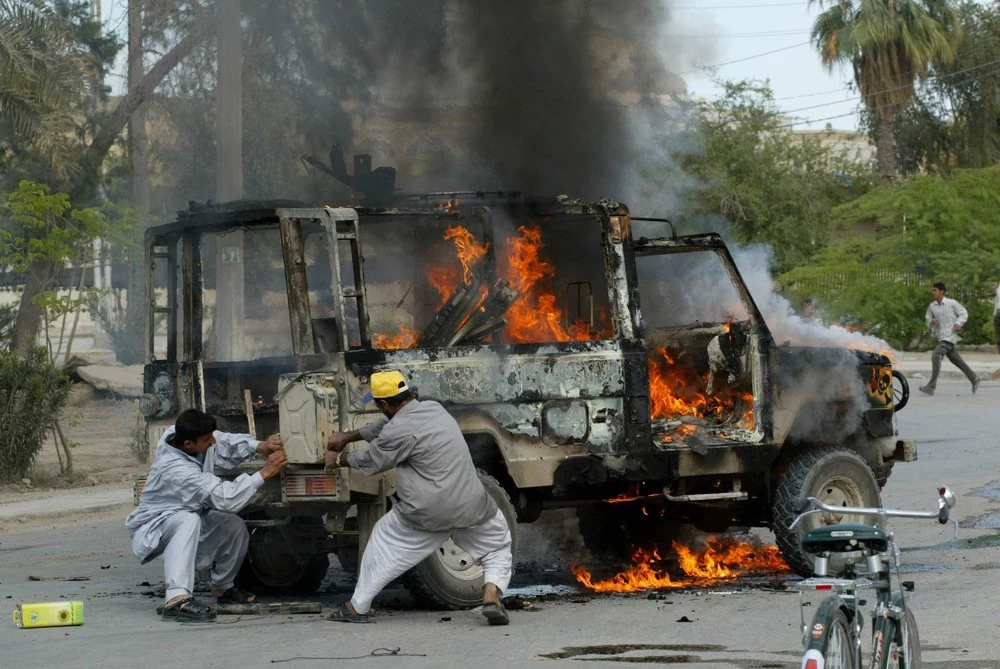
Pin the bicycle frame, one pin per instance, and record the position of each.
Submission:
(846, 584)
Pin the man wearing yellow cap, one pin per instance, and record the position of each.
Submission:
(440, 496)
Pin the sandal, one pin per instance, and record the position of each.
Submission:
(344, 615)
(189, 610)
(235, 595)
(496, 614)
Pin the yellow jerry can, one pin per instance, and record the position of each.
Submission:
(48, 614)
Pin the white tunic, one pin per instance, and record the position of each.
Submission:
(181, 482)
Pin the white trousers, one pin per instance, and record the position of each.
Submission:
(396, 546)
(213, 540)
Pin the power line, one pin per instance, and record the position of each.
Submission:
(740, 60)
(812, 95)
(896, 88)
(758, 6)
(858, 111)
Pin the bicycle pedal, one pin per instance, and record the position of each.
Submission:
(909, 586)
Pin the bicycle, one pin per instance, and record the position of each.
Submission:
(864, 556)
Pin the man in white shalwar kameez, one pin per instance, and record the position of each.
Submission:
(188, 514)
(439, 496)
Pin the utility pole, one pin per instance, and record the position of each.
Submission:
(138, 146)
(230, 261)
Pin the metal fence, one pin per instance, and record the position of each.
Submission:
(835, 282)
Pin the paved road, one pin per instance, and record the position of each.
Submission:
(735, 626)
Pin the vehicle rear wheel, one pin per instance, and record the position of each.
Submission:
(449, 578)
(613, 531)
(273, 565)
(836, 476)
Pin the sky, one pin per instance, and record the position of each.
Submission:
(718, 32)
(744, 31)
(707, 32)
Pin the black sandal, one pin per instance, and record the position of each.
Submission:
(344, 615)
(496, 614)
(189, 610)
(235, 595)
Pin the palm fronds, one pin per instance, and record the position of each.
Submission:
(41, 77)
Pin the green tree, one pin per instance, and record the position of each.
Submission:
(954, 118)
(43, 78)
(41, 235)
(889, 44)
(924, 229)
(772, 187)
(97, 128)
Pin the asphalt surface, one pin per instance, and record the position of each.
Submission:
(745, 624)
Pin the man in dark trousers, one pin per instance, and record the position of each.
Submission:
(188, 514)
(439, 496)
(945, 317)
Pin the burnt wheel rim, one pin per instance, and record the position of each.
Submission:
(457, 562)
(840, 491)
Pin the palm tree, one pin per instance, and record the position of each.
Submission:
(889, 44)
(42, 77)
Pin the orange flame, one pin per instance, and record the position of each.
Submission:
(467, 248)
(407, 338)
(673, 393)
(534, 317)
(450, 207)
(721, 560)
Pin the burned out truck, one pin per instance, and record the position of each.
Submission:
(593, 360)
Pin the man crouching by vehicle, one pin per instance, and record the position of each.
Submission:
(439, 495)
(187, 513)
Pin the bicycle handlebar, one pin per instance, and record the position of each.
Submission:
(946, 500)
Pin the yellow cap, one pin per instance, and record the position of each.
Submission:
(386, 384)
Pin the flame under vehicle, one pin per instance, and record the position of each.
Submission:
(592, 359)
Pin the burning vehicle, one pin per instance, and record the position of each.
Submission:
(565, 337)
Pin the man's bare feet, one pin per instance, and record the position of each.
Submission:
(493, 608)
(491, 594)
(175, 600)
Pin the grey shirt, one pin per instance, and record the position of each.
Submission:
(436, 481)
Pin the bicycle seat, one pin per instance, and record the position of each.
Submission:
(845, 538)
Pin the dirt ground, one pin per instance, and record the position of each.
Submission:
(101, 431)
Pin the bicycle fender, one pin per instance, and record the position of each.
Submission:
(821, 621)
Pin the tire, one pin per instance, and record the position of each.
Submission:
(830, 637)
(882, 473)
(273, 566)
(834, 475)
(885, 646)
(896, 643)
(900, 394)
(449, 579)
(612, 532)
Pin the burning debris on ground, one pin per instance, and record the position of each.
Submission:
(721, 559)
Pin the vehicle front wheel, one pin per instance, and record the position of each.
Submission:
(449, 578)
(834, 475)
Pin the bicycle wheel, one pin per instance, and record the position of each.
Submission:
(896, 643)
(885, 644)
(830, 642)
